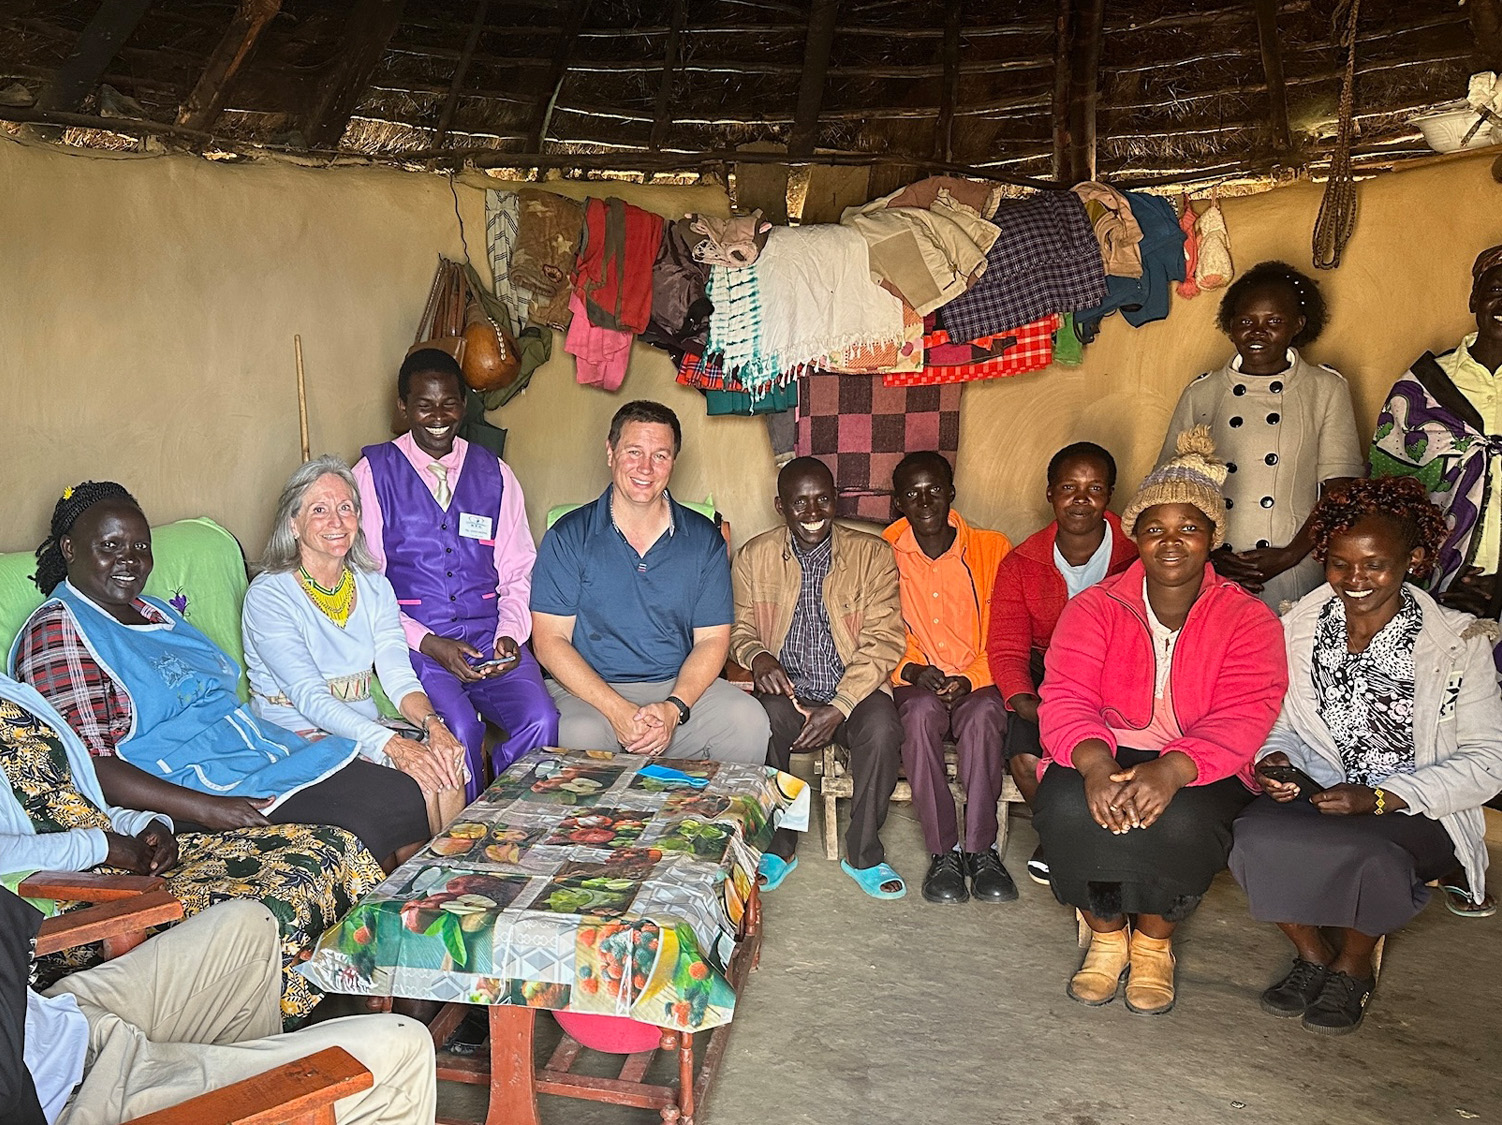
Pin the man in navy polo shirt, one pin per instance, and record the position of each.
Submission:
(631, 612)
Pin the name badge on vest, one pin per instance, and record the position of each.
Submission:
(476, 527)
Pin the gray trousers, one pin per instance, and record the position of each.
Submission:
(199, 1007)
(727, 724)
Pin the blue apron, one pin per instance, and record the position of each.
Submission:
(187, 724)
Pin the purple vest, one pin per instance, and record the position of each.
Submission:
(442, 578)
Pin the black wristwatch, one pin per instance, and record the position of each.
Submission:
(683, 710)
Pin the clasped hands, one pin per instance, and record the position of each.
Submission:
(1252, 569)
(151, 851)
(819, 719)
(435, 765)
(646, 729)
(1121, 799)
(949, 689)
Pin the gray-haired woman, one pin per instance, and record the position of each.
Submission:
(320, 618)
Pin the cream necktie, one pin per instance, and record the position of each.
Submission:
(443, 495)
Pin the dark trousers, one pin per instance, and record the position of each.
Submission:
(18, 1097)
(873, 735)
(976, 722)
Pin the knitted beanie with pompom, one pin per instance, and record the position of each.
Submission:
(1194, 476)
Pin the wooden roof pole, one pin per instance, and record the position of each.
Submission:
(369, 28)
(1063, 83)
(205, 103)
(98, 43)
(1486, 25)
(1272, 67)
(805, 132)
(660, 119)
(1086, 93)
(944, 129)
(571, 25)
(461, 68)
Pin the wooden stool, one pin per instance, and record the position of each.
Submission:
(835, 782)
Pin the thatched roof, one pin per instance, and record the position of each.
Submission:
(1182, 87)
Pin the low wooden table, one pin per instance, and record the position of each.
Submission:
(514, 1082)
(603, 884)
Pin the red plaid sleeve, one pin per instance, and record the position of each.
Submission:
(53, 659)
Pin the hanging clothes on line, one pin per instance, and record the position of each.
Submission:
(547, 242)
(1046, 259)
(613, 271)
(1116, 228)
(808, 298)
(1017, 352)
(981, 195)
(927, 255)
(680, 304)
(1142, 299)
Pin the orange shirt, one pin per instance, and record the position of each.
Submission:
(946, 602)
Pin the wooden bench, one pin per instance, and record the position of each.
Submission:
(835, 782)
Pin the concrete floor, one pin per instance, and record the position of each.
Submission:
(874, 1012)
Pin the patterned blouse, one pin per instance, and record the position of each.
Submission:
(1366, 698)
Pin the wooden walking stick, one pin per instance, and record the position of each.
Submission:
(302, 401)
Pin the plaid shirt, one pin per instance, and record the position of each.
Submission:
(1046, 260)
(808, 653)
(54, 659)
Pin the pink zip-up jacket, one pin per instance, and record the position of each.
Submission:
(1228, 677)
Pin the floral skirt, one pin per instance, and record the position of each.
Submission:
(308, 876)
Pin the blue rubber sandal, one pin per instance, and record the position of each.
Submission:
(772, 870)
(870, 879)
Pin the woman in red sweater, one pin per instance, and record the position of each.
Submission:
(1082, 546)
(1161, 684)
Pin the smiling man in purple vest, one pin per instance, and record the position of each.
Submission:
(447, 523)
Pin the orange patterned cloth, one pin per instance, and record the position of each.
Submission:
(1031, 349)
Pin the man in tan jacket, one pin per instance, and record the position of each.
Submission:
(818, 622)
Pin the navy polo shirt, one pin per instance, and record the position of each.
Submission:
(634, 615)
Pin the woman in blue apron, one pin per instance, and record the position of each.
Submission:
(154, 701)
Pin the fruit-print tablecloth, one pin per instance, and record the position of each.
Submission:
(579, 881)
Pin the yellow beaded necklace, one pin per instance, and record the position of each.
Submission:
(335, 604)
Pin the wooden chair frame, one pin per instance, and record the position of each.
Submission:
(122, 910)
(835, 782)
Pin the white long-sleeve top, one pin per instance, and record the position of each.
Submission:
(292, 652)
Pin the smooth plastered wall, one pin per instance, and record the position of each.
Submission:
(148, 305)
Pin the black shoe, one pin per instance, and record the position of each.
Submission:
(1292, 995)
(945, 881)
(989, 880)
(1037, 866)
(1340, 1006)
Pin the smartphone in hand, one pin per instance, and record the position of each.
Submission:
(498, 664)
(1287, 775)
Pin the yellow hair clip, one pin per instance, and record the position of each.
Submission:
(68, 493)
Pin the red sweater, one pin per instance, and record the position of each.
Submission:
(1026, 602)
(1227, 681)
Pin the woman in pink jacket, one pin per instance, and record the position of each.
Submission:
(1161, 684)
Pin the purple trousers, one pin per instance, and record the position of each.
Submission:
(976, 723)
(516, 701)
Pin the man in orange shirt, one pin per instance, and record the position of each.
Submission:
(943, 682)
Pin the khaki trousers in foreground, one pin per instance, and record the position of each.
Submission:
(198, 1007)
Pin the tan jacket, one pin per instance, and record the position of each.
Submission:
(860, 596)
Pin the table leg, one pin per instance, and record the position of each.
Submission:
(686, 1077)
(513, 1093)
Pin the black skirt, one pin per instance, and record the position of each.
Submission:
(1164, 869)
(1367, 873)
(382, 806)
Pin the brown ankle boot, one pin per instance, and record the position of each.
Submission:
(1149, 989)
(1105, 963)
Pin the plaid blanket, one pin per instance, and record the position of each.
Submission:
(861, 429)
(1029, 348)
(1046, 260)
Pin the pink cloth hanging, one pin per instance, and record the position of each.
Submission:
(601, 355)
(1188, 287)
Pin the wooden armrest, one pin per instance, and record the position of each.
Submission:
(84, 886)
(301, 1091)
(120, 923)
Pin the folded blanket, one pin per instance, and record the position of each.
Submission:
(1023, 349)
